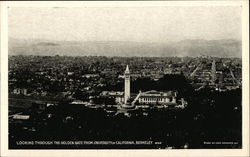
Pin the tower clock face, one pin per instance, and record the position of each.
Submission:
(126, 76)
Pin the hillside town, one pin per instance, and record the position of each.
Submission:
(97, 97)
(69, 77)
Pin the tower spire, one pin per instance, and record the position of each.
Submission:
(127, 69)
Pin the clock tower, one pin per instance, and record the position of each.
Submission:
(126, 85)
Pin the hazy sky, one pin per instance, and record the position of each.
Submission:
(146, 24)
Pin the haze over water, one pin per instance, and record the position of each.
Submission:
(126, 31)
(140, 24)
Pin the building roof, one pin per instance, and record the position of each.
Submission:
(154, 93)
(127, 69)
(154, 96)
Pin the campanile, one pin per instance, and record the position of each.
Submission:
(126, 85)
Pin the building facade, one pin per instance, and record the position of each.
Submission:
(155, 97)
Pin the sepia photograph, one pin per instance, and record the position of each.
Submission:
(123, 77)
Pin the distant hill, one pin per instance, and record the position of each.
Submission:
(192, 48)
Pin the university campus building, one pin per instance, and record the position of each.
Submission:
(144, 98)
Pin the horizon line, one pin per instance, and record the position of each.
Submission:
(57, 55)
(82, 40)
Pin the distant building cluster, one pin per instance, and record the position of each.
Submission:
(58, 77)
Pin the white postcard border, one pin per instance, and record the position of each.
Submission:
(189, 152)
